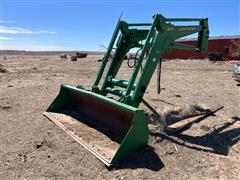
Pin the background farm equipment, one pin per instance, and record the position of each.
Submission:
(81, 55)
(63, 56)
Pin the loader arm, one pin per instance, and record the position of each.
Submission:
(159, 38)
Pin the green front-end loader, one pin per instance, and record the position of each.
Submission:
(106, 120)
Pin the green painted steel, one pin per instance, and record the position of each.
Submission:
(136, 138)
(153, 40)
(159, 37)
(63, 100)
(133, 139)
(120, 83)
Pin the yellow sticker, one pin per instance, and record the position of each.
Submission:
(170, 28)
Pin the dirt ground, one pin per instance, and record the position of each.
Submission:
(32, 147)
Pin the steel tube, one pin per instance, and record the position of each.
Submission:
(105, 59)
(182, 19)
(140, 24)
(139, 62)
(116, 92)
(121, 83)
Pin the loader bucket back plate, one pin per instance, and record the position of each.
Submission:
(107, 128)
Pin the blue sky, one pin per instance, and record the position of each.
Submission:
(85, 25)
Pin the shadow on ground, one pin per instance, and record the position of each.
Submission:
(218, 141)
(145, 158)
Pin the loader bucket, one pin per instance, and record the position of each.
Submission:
(107, 128)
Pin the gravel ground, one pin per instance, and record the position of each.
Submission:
(32, 147)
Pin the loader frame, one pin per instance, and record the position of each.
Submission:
(159, 39)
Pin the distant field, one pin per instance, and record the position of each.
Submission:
(15, 52)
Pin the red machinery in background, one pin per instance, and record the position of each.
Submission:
(219, 48)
